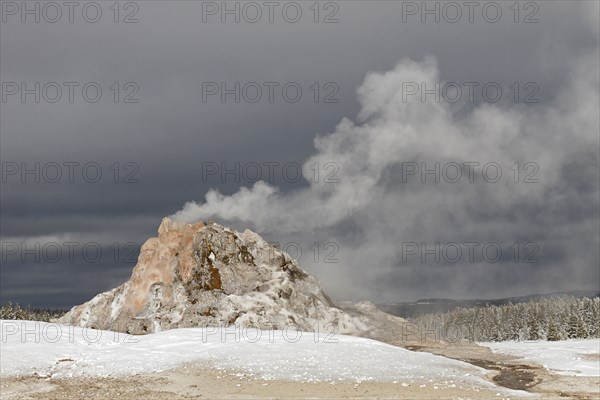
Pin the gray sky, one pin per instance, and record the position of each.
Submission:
(377, 226)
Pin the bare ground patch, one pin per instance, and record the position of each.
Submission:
(195, 382)
(590, 357)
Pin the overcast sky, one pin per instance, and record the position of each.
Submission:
(358, 97)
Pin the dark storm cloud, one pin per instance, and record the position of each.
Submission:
(170, 135)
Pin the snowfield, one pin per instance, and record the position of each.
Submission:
(30, 348)
(60, 351)
(576, 357)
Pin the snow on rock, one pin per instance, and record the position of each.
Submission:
(204, 274)
(60, 351)
(578, 357)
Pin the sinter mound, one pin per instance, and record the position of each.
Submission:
(204, 274)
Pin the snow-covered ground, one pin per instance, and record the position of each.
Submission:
(53, 350)
(59, 351)
(567, 357)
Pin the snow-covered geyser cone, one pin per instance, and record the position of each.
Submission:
(204, 274)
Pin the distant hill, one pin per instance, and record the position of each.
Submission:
(427, 306)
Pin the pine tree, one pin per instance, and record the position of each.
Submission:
(573, 327)
(534, 329)
(553, 333)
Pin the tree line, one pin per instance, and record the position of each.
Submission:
(554, 318)
(15, 311)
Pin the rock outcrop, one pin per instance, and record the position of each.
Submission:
(204, 274)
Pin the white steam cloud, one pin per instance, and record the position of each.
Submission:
(374, 208)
